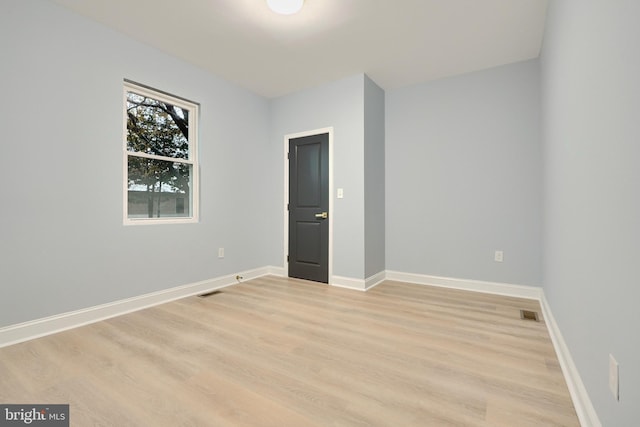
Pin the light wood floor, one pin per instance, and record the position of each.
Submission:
(284, 352)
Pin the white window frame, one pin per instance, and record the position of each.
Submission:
(194, 112)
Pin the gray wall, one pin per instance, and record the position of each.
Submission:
(591, 110)
(374, 177)
(463, 176)
(338, 104)
(63, 246)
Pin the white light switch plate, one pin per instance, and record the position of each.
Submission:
(614, 377)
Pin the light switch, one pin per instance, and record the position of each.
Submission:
(614, 377)
(340, 193)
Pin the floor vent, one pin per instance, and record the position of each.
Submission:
(529, 315)
(208, 294)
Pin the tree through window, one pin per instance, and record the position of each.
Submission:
(160, 157)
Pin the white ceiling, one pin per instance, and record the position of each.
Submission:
(395, 42)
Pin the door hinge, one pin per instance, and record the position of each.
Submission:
(287, 258)
(287, 206)
(287, 156)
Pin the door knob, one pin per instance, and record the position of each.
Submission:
(322, 215)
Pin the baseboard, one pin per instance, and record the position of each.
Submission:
(46, 326)
(358, 284)
(506, 289)
(375, 280)
(581, 401)
(348, 283)
(276, 271)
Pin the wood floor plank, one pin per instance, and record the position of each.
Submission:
(285, 352)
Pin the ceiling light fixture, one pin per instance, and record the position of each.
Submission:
(285, 7)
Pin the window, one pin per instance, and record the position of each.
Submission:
(160, 162)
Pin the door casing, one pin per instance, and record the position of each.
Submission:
(328, 130)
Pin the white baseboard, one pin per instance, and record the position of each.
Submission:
(49, 325)
(581, 401)
(520, 291)
(358, 284)
(349, 283)
(375, 280)
(277, 271)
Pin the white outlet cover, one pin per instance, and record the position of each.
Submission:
(499, 256)
(614, 373)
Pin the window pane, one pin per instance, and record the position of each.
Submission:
(158, 188)
(157, 127)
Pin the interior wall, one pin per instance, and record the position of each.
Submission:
(591, 103)
(339, 105)
(463, 176)
(374, 178)
(63, 243)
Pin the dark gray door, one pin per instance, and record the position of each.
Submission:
(309, 207)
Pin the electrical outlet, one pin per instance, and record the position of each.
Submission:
(220, 252)
(614, 378)
(498, 256)
(340, 193)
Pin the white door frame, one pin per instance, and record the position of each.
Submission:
(287, 137)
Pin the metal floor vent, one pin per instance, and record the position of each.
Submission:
(208, 294)
(529, 315)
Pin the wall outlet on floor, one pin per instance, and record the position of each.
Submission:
(220, 252)
(614, 377)
(498, 256)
